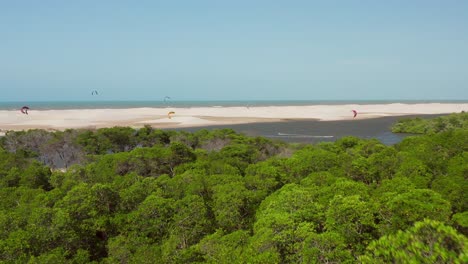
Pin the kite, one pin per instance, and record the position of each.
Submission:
(169, 114)
(24, 110)
(166, 98)
(355, 113)
(95, 92)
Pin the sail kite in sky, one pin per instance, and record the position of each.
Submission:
(94, 92)
(169, 115)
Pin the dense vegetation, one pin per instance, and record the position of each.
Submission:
(119, 195)
(434, 125)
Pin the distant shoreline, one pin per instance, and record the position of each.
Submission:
(211, 116)
(105, 104)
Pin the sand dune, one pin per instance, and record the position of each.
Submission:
(205, 116)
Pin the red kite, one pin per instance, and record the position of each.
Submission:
(24, 110)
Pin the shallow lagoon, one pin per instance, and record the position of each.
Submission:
(313, 131)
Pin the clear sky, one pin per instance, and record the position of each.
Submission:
(234, 50)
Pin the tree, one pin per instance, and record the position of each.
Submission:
(403, 210)
(220, 247)
(36, 176)
(453, 186)
(148, 136)
(309, 160)
(415, 170)
(153, 218)
(383, 164)
(262, 179)
(61, 150)
(394, 186)
(285, 220)
(435, 125)
(190, 222)
(132, 248)
(135, 190)
(343, 187)
(428, 241)
(231, 206)
(239, 155)
(82, 219)
(179, 154)
(353, 219)
(461, 222)
(190, 225)
(28, 143)
(328, 247)
(92, 143)
(120, 138)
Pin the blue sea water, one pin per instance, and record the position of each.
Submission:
(45, 105)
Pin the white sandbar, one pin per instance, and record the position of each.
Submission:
(206, 116)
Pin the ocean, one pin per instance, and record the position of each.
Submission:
(48, 105)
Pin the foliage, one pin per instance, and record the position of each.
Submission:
(428, 241)
(121, 195)
(436, 125)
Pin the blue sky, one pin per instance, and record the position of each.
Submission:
(234, 50)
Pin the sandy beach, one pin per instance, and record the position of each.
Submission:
(210, 116)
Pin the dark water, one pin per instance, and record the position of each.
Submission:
(322, 131)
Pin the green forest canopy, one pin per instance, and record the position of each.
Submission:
(119, 195)
(433, 125)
